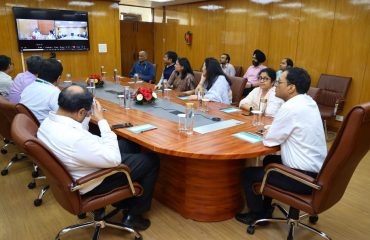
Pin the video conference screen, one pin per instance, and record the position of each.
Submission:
(51, 30)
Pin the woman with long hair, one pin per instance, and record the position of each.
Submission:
(216, 83)
(182, 79)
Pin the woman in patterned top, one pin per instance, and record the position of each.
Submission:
(182, 79)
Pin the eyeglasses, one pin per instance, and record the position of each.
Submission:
(263, 79)
(278, 82)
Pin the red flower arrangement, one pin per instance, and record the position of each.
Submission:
(145, 95)
(97, 80)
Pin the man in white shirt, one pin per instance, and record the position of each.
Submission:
(226, 66)
(298, 129)
(41, 96)
(6, 68)
(83, 153)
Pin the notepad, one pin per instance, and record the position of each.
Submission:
(248, 137)
(184, 98)
(217, 126)
(230, 110)
(141, 128)
(134, 82)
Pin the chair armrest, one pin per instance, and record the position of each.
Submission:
(101, 174)
(339, 105)
(289, 172)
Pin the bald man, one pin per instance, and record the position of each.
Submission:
(83, 153)
(143, 68)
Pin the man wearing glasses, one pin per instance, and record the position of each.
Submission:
(297, 128)
(6, 68)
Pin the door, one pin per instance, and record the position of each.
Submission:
(135, 36)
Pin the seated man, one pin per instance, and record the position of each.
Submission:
(284, 65)
(22, 80)
(251, 74)
(226, 66)
(41, 96)
(169, 60)
(6, 68)
(298, 129)
(83, 153)
(143, 68)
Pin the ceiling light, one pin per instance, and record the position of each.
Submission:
(81, 3)
(265, 1)
(161, 0)
(211, 7)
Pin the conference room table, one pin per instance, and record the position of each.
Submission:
(200, 173)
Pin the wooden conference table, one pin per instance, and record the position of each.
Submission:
(199, 174)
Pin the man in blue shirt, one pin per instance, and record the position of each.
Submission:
(169, 60)
(143, 68)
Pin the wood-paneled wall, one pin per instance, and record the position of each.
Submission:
(103, 28)
(327, 36)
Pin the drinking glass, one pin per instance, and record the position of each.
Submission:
(257, 118)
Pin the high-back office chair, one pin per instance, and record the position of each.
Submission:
(7, 114)
(314, 92)
(35, 173)
(65, 189)
(333, 90)
(197, 77)
(350, 146)
(237, 88)
(238, 71)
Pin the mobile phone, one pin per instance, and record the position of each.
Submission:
(247, 114)
(175, 112)
(260, 132)
(123, 125)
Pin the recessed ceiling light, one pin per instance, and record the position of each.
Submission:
(265, 1)
(211, 7)
(81, 3)
(161, 0)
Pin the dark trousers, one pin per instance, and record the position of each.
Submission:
(144, 170)
(261, 206)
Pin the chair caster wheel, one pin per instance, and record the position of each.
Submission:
(251, 229)
(139, 238)
(313, 219)
(35, 174)
(4, 172)
(31, 185)
(4, 151)
(81, 216)
(37, 202)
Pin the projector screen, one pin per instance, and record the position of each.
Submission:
(51, 30)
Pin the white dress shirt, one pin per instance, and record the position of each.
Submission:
(5, 83)
(80, 151)
(40, 97)
(228, 69)
(254, 97)
(220, 91)
(298, 129)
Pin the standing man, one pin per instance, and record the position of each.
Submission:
(6, 68)
(169, 60)
(252, 72)
(41, 96)
(226, 66)
(298, 129)
(22, 80)
(143, 68)
(83, 153)
(284, 65)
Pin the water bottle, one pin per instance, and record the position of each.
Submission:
(91, 86)
(136, 77)
(115, 77)
(189, 118)
(164, 86)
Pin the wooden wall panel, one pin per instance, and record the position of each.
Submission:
(104, 28)
(329, 36)
(316, 25)
(284, 31)
(350, 46)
